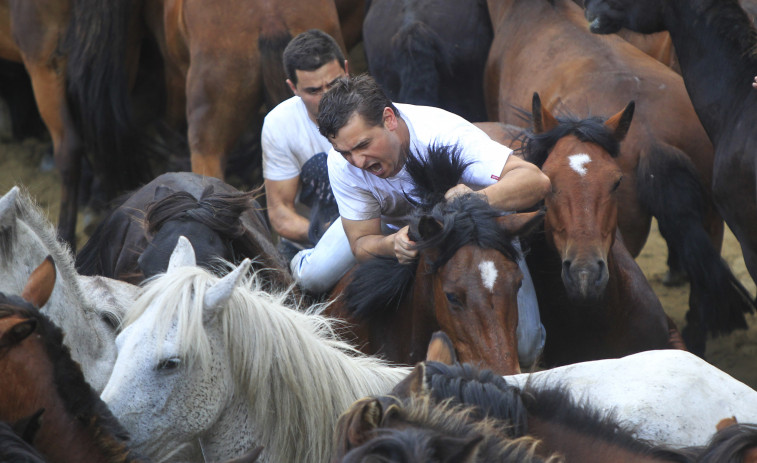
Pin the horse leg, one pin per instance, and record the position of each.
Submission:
(49, 92)
(675, 340)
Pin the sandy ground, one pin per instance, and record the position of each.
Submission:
(20, 165)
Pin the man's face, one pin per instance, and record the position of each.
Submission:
(375, 149)
(311, 85)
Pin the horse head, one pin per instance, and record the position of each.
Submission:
(582, 208)
(469, 274)
(171, 346)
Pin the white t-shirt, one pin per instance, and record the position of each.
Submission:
(361, 195)
(289, 139)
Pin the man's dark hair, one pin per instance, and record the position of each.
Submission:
(361, 94)
(309, 51)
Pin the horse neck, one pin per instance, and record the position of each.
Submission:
(297, 391)
(576, 444)
(716, 69)
(420, 312)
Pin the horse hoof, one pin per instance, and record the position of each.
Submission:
(675, 278)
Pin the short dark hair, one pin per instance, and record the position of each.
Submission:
(310, 50)
(361, 94)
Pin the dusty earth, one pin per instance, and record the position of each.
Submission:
(736, 354)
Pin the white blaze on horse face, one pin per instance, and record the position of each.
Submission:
(578, 163)
(488, 274)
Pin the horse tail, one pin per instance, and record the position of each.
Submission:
(420, 59)
(271, 48)
(97, 90)
(671, 190)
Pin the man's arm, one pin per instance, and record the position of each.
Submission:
(284, 218)
(520, 185)
(367, 241)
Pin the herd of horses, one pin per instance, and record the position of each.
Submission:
(186, 338)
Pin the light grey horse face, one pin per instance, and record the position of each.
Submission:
(162, 399)
(26, 239)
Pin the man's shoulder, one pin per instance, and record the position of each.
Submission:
(286, 110)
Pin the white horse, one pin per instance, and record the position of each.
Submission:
(224, 362)
(88, 309)
(669, 397)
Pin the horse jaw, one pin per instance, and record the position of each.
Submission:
(183, 255)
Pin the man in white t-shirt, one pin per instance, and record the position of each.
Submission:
(294, 152)
(372, 138)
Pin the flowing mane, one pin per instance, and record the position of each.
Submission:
(731, 23)
(466, 219)
(81, 403)
(275, 352)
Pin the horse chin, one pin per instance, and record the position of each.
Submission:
(584, 291)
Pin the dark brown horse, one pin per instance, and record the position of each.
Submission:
(430, 52)
(715, 42)
(546, 424)
(135, 240)
(666, 158)
(395, 308)
(16, 440)
(594, 300)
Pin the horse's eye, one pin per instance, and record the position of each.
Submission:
(452, 299)
(168, 364)
(616, 185)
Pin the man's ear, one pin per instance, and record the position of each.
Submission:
(390, 119)
(292, 87)
(346, 68)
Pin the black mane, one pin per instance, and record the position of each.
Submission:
(537, 146)
(493, 397)
(731, 22)
(466, 219)
(80, 400)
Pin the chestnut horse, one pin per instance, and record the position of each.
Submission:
(394, 308)
(715, 42)
(594, 300)
(666, 159)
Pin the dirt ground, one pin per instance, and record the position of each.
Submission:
(736, 354)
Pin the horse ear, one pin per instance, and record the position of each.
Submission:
(441, 349)
(218, 295)
(621, 122)
(457, 449)
(17, 333)
(355, 425)
(162, 191)
(183, 255)
(428, 227)
(27, 427)
(522, 223)
(412, 384)
(40, 284)
(8, 207)
(726, 422)
(543, 120)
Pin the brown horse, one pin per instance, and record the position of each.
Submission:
(594, 300)
(395, 308)
(545, 424)
(36, 33)
(715, 42)
(666, 159)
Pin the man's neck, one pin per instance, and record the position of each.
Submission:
(404, 135)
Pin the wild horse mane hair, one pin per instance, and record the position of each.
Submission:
(537, 146)
(731, 22)
(80, 401)
(493, 397)
(429, 419)
(16, 447)
(467, 219)
(730, 444)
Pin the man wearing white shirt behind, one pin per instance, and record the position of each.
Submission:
(294, 152)
(372, 137)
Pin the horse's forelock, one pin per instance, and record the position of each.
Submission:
(537, 146)
(440, 170)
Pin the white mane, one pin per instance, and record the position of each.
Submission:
(298, 376)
